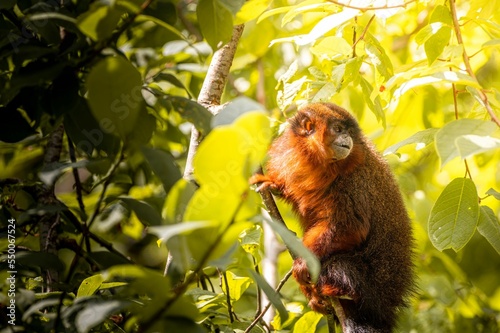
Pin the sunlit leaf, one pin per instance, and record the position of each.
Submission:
(470, 144)
(90, 285)
(446, 137)
(489, 227)
(493, 193)
(421, 139)
(455, 214)
(331, 48)
(378, 57)
(237, 285)
(307, 323)
(251, 10)
(100, 21)
(165, 232)
(327, 24)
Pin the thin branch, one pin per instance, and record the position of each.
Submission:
(228, 296)
(210, 97)
(403, 5)
(468, 67)
(278, 288)
(275, 214)
(211, 91)
(363, 34)
(78, 183)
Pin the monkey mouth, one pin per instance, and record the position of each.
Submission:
(340, 151)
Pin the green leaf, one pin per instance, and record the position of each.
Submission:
(436, 43)
(374, 105)
(271, 294)
(193, 112)
(166, 232)
(163, 165)
(85, 132)
(327, 24)
(422, 139)
(250, 241)
(331, 48)
(307, 323)
(216, 22)
(325, 93)
(41, 260)
(251, 10)
(146, 18)
(489, 227)
(144, 211)
(90, 285)
(455, 214)
(470, 145)
(234, 109)
(493, 193)
(114, 95)
(352, 68)
(100, 21)
(446, 137)
(378, 57)
(297, 247)
(237, 285)
(177, 201)
(96, 312)
(441, 14)
(437, 77)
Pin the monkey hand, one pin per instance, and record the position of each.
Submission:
(263, 183)
(300, 272)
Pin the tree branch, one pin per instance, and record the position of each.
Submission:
(371, 8)
(273, 210)
(468, 67)
(210, 97)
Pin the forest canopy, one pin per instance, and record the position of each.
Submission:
(130, 128)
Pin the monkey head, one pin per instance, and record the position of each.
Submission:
(326, 132)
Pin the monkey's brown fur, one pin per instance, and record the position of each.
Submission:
(352, 214)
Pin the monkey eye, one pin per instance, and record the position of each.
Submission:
(338, 128)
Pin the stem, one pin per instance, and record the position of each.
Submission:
(363, 34)
(228, 297)
(371, 8)
(468, 68)
(278, 288)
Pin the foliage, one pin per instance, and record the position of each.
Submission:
(121, 77)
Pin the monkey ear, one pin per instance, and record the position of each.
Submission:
(301, 124)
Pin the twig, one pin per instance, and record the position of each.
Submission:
(78, 183)
(371, 8)
(263, 312)
(228, 296)
(468, 68)
(363, 34)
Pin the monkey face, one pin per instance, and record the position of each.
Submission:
(326, 131)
